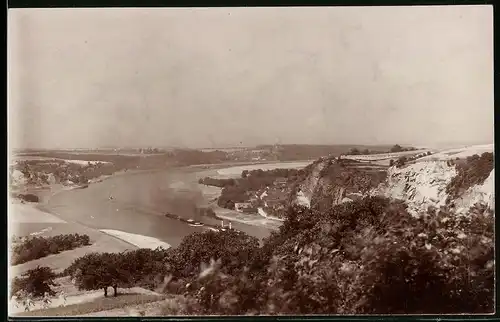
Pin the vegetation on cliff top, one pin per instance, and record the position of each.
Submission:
(472, 171)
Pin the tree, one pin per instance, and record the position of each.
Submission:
(354, 151)
(401, 161)
(100, 271)
(231, 247)
(396, 148)
(36, 282)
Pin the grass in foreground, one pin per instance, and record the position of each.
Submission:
(101, 304)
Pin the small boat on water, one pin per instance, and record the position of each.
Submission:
(190, 220)
(196, 224)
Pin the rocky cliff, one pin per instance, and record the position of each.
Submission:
(331, 181)
(426, 184)
(457, 185)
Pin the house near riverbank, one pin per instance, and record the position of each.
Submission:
(245, 207)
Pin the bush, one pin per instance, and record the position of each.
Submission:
(100, 271)
(35, 282)
(472, 171)
(233, 248)
(141, 267)
(37, 247)
(238, 190)
(365, 257)
(29, 197)
(401, 161)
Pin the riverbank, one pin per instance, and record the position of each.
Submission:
(142, 197)
(38, 219)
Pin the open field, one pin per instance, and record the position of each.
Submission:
(384, 156)
(460, 152)
(25, 220)
(94, 302)
(81, 302)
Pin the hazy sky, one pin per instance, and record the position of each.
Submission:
(221, 76)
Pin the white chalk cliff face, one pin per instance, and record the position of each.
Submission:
(420, 185)
(482, 194)
(423, 184)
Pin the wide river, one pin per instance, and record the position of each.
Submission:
(140, 199)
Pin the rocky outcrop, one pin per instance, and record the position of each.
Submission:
(330, 180)
(421, 185)
(482, 194)
(309, 185)
(424, 184)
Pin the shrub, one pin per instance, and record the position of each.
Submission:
(365, 257)
(141, 267)
(35, 282)
(29, 197)
(37, 247)
(401, 161)
(237, 190)
(233, 248)
(472, 171)
(100, 271)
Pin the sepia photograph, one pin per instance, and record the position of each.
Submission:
(263, 161)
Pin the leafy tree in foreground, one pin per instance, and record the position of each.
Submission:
(36, 282)
(364, 257)
(233, 248)
(100, 271)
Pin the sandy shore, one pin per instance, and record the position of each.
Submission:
(139, 241)
(135, 227)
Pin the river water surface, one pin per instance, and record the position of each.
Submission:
(139, 201)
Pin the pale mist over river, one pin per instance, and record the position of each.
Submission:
(140, 200)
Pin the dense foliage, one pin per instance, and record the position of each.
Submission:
(35, 247)
(148, 268)
(28, 197)
(231, 247)
(142, 267)
(356, 151)
(35, 282)
(471, 171)
(363, 257)
(221, 183)
(398, 148)
(240, 189)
